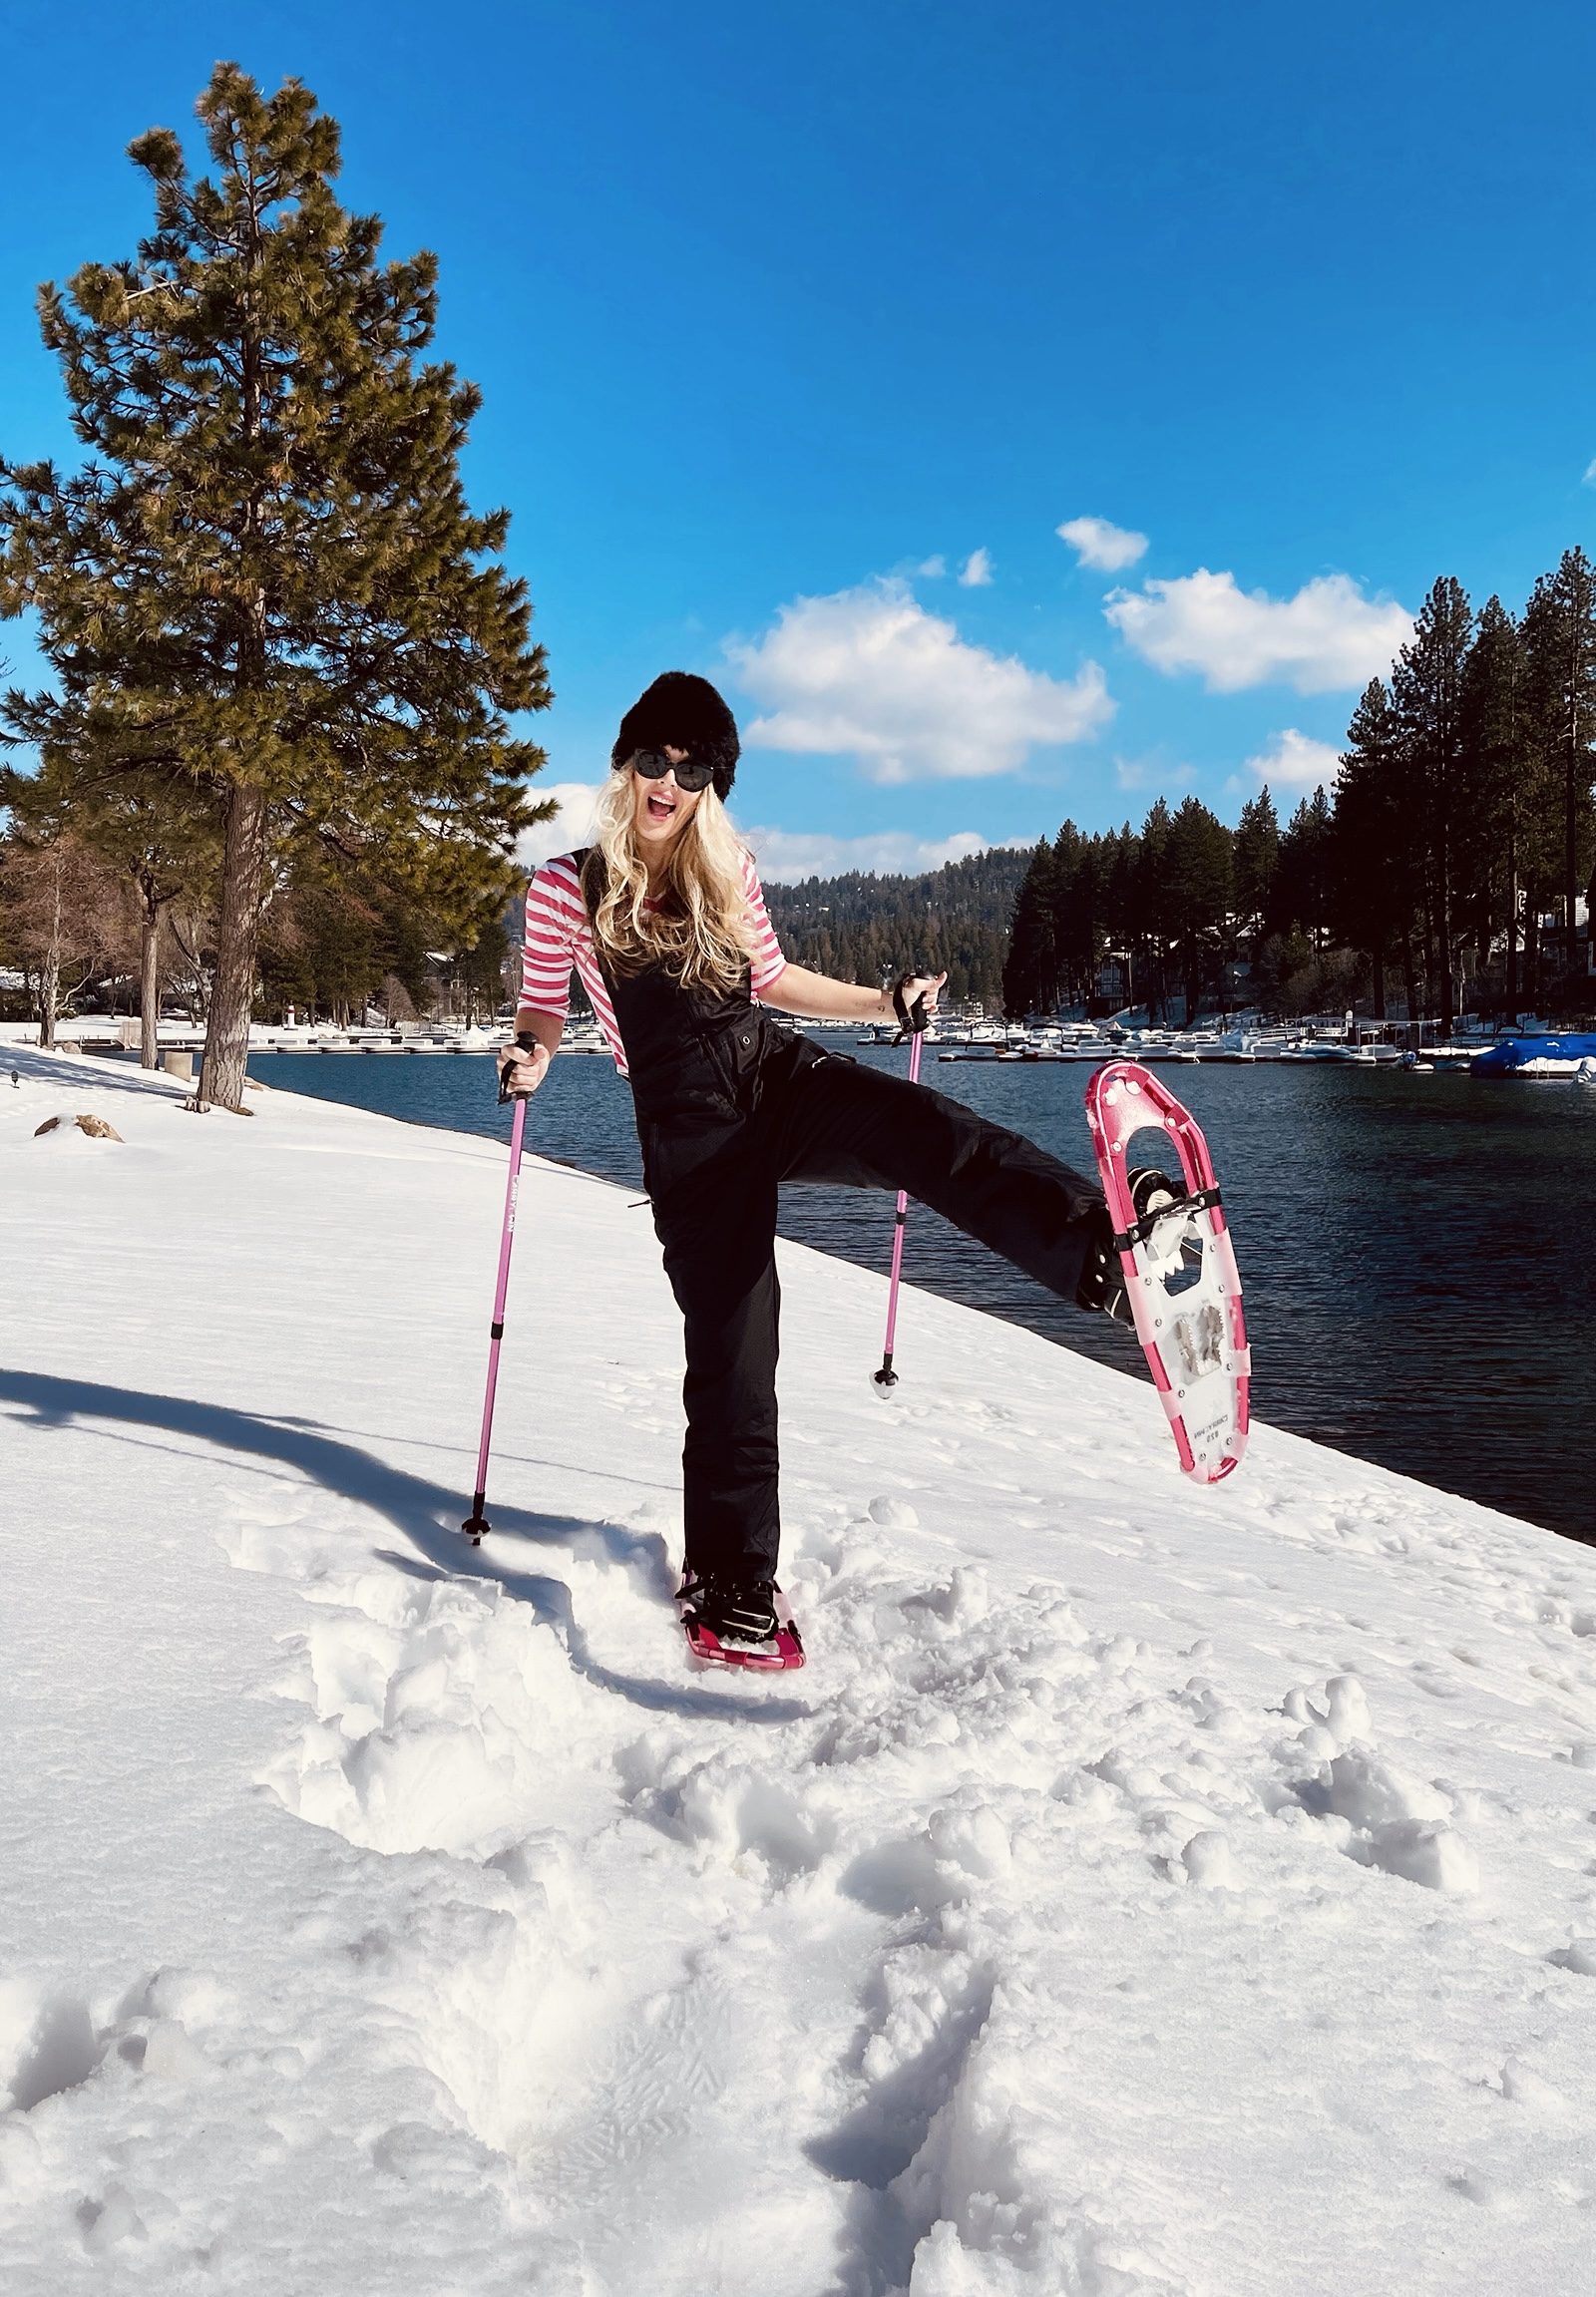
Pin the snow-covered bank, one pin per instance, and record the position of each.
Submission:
(1143, 1890)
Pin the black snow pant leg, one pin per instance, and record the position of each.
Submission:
(842, 1122)
(719, 1231)
(822, 1119)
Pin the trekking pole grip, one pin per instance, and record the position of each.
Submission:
(528, 1045)
(913, 1020)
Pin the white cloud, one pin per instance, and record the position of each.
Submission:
(869, 673)
(1097, 544)
(933, 569)
(787, 856)
(975, 572)
(1326, 637)
(1589, 479)
(1152, 774)
(1292, 761)
(570, 826)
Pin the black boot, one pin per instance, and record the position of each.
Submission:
(734, 1611)
(1102, 1285)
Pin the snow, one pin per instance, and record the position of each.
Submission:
(1143, 1889)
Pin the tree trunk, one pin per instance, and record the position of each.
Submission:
(1409, 979)
(50, 970)
(1443, 944)
(49, 997)
(1378, 967)
(153, 913)
(221, 1070)
(1512, 934)
(1571, 819)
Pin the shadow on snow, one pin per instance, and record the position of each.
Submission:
(426, 1513)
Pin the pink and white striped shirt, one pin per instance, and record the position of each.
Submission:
(558, 936)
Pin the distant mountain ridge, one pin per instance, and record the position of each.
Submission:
(865, 927)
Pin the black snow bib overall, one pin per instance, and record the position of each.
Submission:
(729, 1104)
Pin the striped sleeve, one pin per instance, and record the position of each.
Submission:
(555, 920)
(766, 964)
(558, 938)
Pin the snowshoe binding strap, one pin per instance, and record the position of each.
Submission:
(1141, 1230)
(732, 1624)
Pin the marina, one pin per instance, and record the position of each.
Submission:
(1525, 1053)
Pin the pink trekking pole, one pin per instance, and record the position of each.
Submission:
(914, 1021)
(475, 1522)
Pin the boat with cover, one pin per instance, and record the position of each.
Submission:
(1547, 1056)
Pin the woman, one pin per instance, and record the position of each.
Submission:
(664, 921)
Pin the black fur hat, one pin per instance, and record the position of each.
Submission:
(682, 711)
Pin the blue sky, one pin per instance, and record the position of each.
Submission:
(779, 310)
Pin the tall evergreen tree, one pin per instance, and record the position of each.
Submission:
(1256, 860)
(1501, 768)
(1078, 925)
(1121, 921)
(1152, 899)
(1561, 644)
(1305, 880)
(1372, 879)
(1030, 972)
(1197, 880)
(267, 580)
(1427, 693)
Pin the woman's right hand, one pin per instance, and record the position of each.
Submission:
(523, 1070)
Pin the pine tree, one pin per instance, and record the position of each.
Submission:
(267, 582)
(1030, 973)
(1077, 921)
(1256, 857)
(1121, 921)
(1426, 694)
(1197, 880)
(1152, 900)
(1372, 881)
(1304, 886)
(1561, 644)
(1503, 779)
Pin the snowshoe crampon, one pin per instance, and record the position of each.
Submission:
(1180, 1273)
(723, 1625)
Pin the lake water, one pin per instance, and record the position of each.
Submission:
(1417, 1253)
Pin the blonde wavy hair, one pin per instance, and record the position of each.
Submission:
(697, 931)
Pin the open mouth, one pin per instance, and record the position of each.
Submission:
(661, 806)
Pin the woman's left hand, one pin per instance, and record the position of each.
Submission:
(916, 985)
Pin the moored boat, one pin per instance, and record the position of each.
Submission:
(1544, 1056)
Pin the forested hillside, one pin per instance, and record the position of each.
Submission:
(865, 927)
(1445, 871)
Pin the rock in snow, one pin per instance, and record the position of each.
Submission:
(1143, 1890)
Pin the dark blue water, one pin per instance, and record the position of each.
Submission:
(1416, 1251)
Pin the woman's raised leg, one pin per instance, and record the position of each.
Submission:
(839, 1121)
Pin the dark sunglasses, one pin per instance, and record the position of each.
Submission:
(654, 765)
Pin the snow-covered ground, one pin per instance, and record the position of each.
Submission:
(1142, 1890)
